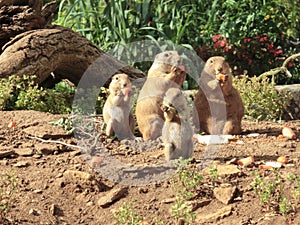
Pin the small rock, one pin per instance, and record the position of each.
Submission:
(37, 156)
(55, 210)
(24, 151)
(89, 204)
(75, 153)
(225, 194)
(46, 131)
(143, 190)
(79, 176)
(4, 162)
(195, 204)
(59, 175)
(34, 212)
(232, 161)
(225, 170)
(45, 149)
(168, 200)
(6, 153)
(38, 191)
(219, 214)
(21, 164)
(112, 196)
(240, 142)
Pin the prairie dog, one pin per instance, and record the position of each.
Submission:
(177, 133)
(117, 111)
(215, 95)
(165, 72)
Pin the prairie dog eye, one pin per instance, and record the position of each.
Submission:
(211, 61)
(166, 55)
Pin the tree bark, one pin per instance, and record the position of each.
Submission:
(43, 50)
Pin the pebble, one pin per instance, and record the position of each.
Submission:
(22, 164)
(34, 212)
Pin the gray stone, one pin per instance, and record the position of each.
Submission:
(112, 196)
(225, 194)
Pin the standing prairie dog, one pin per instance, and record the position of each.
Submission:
(165, 72)
(177, 133)
(218, 106)
(117, 110)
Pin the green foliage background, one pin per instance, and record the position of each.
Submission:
(193, 24)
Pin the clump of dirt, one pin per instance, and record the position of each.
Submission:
(83, 180)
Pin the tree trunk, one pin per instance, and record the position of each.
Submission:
(43, 50)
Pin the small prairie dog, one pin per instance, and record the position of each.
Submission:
(165, 72)
(117, 110)
(216, 97)
(177, 132)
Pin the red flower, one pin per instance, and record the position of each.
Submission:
(216, 38)
(247, 40)
(278, 52)
(270, 46)
(222, 43)
(264, 38)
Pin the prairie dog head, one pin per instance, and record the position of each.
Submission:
(120, 83)
(167, 61)
(174, 103)
(218, 68)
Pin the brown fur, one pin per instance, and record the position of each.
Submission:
(216, 88)
(117, 111)
(164, 73)
(177, 133)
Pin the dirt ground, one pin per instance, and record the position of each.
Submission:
(58, 184)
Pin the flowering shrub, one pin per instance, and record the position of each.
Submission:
(253, 56)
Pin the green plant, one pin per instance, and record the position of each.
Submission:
(65, 123)
(181, 212)
(187, 185)
(260, 98)
(295, 179)
(127, 215)
(213, 171)
(187, 181)
(284, 206)
(8, 189)
(270, 191)
(23, 93)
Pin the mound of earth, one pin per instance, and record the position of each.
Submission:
(66, 180)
